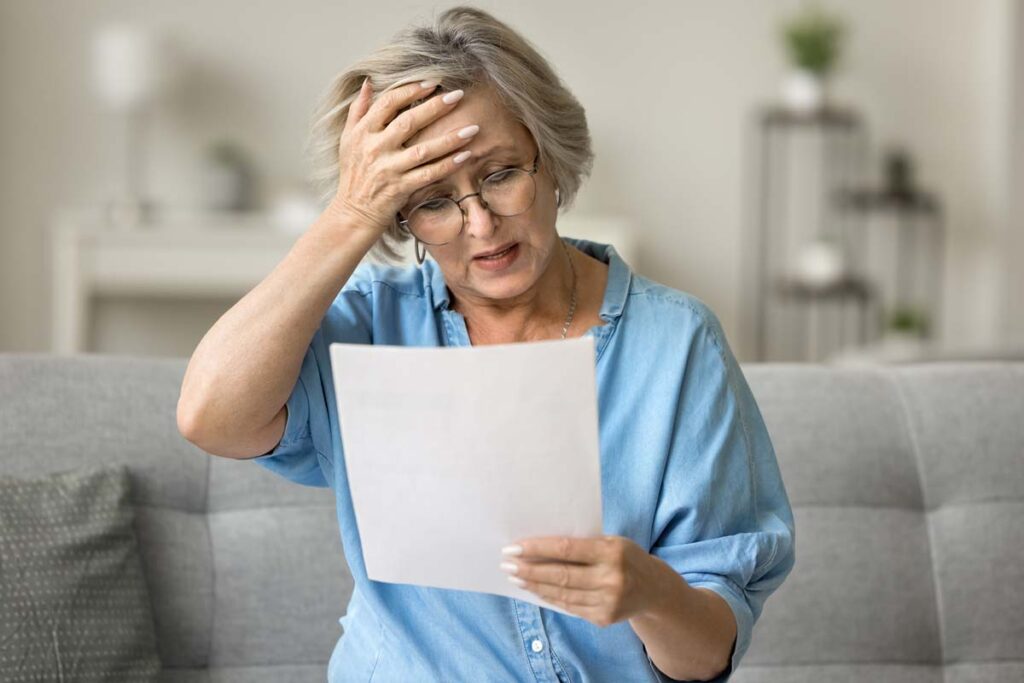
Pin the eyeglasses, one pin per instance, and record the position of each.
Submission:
(507, 192)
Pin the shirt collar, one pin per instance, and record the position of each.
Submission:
(616, 290)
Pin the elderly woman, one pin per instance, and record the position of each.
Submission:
(460, 136)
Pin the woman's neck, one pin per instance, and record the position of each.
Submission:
(538, 313)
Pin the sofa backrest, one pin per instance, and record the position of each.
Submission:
(906, 485)
(244, 569)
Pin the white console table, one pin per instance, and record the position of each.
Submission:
(192, 256)
(189, 256)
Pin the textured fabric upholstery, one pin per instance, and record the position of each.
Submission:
(907, 484)
(73, 598)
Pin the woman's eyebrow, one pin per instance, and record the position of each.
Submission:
(477, 157)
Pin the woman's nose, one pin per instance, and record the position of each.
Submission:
(479, 221)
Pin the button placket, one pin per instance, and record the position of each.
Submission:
(535, 642)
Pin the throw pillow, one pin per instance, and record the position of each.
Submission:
(74, 601)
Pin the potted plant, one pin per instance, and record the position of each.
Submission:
(812, 38)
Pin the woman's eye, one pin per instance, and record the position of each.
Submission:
(432, 204)
(500, 176)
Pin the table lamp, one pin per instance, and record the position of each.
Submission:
(129, 68)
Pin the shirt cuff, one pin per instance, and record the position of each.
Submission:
(296, 458)
(296, 426)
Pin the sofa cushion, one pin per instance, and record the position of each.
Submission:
(75, 604)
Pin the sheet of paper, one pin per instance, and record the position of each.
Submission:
(454, 452)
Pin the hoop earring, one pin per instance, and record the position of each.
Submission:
(420, 257)
(558, 198)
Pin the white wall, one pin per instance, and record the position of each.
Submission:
(668, 88)
(1012, 317)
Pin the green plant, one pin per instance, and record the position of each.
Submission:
(813, 38)
(909, 319)
(226, 152)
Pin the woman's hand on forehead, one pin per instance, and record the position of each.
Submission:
(378, 171)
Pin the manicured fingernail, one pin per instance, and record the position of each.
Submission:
(469, 131)
(510, 567)
(452, 97)
(461, 156)
(517, 581)
(512, 550)
(427, 85)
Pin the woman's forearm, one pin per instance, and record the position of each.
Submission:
(244, 368)
(688, 632)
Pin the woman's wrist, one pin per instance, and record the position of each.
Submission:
(343, 216)
(680, 628)
(341, 230)
(665, 592)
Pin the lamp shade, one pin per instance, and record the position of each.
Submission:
(129, 64)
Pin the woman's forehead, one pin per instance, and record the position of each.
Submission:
(481, 107)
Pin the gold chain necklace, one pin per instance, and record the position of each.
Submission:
(572, 300)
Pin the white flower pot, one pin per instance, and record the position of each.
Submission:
(223, 187)
(803, 91)
(819, 264)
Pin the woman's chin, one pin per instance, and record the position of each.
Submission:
(506, 287)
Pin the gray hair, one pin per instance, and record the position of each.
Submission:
(463, 48)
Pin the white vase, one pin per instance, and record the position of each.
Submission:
(819, 264)
(223, 187)
(803, 91)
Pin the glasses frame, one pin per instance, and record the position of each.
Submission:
(404, 223)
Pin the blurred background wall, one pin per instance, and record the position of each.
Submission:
(669, 88)
(1012, 315)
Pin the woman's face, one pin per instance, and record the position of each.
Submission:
(501, 143)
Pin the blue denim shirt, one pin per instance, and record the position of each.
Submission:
(687, 471)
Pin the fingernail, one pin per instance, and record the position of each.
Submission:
(517, 581)
(512, 550)
(510, 567)
(468, 131)
(461, 156)
(452, 97)
(427, 85)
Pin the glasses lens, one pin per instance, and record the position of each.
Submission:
(436, 221)
(508, 192)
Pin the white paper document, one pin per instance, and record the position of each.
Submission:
(455, 452)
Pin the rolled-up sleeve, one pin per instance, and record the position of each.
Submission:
(723, 520)
(295, 457)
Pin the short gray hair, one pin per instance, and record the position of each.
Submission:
(464, 47)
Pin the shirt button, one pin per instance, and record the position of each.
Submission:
(537, 645)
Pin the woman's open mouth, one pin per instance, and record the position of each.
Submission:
(502, 259)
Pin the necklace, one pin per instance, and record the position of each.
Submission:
(572, 300)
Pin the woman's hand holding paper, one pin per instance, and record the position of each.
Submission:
(603, 579)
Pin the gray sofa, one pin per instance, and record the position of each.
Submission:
(907, 485)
